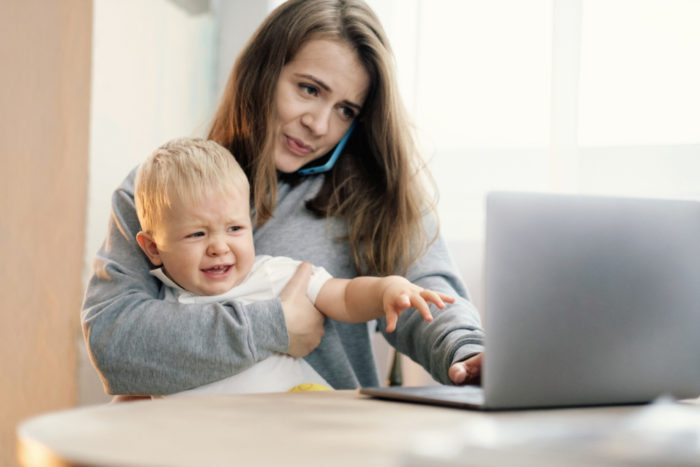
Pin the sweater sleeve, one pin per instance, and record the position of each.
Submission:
(455, 333)
(141, 344)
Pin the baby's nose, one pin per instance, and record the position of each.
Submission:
(217, 247)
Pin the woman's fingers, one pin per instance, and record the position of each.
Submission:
(298, 283)
(467, 371)
(304, 322)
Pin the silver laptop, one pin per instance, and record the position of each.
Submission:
(589, 301)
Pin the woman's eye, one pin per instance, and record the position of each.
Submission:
(308, 89)
(347, 113)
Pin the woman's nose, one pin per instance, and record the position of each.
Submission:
(317, 120)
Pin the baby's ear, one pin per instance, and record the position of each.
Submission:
(149, 247)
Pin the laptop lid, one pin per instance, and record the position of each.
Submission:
(590, 300)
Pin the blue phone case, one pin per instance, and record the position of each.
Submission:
(334, 157)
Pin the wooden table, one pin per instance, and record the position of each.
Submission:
(288, 429)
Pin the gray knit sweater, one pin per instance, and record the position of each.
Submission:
(141, 344)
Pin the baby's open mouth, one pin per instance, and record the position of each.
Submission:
(220, 269)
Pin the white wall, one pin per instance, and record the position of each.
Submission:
(153, 79)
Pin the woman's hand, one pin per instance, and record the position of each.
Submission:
(304, 322)
(467, 371)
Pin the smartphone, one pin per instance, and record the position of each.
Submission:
(334, 157)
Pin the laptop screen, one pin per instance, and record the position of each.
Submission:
(590, 300)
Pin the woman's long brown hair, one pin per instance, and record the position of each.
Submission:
(378, 185)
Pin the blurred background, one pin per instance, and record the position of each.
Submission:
(575, 96)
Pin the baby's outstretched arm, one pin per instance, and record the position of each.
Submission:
(366, 298)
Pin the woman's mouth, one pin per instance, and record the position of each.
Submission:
(298, 147)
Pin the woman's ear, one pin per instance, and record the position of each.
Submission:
(149, 247)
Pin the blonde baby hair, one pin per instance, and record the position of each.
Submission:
(184, 170)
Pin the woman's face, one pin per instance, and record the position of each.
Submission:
(319, 93)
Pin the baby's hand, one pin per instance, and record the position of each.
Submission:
(400, 294)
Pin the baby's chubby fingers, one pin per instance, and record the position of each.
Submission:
(419, 303)
(394, 308)
(391, 320)
(438, 298)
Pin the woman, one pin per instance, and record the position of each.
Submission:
(312, 71)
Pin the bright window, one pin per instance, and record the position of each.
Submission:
(588, 96)
(640, 72)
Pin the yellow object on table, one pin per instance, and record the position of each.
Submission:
(309, 387)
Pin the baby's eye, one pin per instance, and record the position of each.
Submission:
(195, 235)
(234, 228)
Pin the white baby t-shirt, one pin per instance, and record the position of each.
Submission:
(266, 279)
